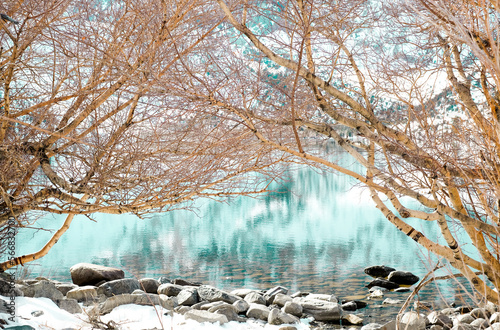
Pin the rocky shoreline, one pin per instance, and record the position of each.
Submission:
(96, 290)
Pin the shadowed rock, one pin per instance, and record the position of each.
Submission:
(405, 278)
(379, 271)
(90, 274)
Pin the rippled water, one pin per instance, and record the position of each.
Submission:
(316, 234)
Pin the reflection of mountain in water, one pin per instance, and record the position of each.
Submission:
(313, 233)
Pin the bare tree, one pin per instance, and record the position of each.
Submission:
(94, 115)
(409, 90)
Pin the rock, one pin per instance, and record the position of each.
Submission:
(149, 285)
(494, 326)
(169, 289)
(182, 309)
(403, 278)
(187, 297)
(138, 292)
(258, 311)
(200, 305)
(164, 280)
(274, 291)
(379, 271)
(209, 293)
(376, 294)
(117, 287)
(390, 301)
(321, 310)
(412, 320)
(242, 292)
(147, 299)
(375, 288)
(495, 317)
(480, 323)
(204, 316)
(255, 298)
(353, 319)
(84, 293)
(436, 327)
(65, 287)
(241, 306)
(226, 309)
(46, 289)
(69, 305)
(464, 318)
(463, 309)
(437, 318)
(325, 297)
(208, 305)
(349, 306)
(480, 313)
(180, 281)
(36, 313)
(448, 311)
(371, 326)
(90, 274)
(383, 283)
(463, 326)
(293, 308)
(280, 299)
(168, 302)
(278, 317)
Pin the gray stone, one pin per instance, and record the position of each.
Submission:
(278, 317)
(352, 319)
(226, 309)
(204, 316)
(46, 289)
(209, 293)
(277, 289)
(403, 278)
(164, 280)
(325, 297)
(241, 306)
(465, 318)
(138, 292)
(117, 287)
(463, 326)
(255, 298)
(168, 302)
(349, 306)
(208, 305)
(182, 309)
(480, 313)
(65, 287)
(280, 299)
(258, 311)
(390, 301)
(401, 290)
(448, 311)
(293, 308)
(69, 305)
(480, 323)
(200, 305)
(376, 294)
(436, 327)
(372, 326)
(437, 318)
(412, 320)
(379, 271)
(37, 313)
(188, 297)
(495, 317)
(321, 310)
(383, 283)
(494, 326)
(147, 299)
(241, 292)
(169, 289)
(149, 285)
(183, 282)
(84, 293)
(90, 274)
(491, 307)
(375, 288)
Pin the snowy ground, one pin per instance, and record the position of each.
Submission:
(127, 317)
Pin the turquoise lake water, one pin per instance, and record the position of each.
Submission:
(316, 234)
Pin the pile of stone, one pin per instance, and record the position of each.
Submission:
(100, 289)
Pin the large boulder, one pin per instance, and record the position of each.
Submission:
(90, 274)
(84, 293)
(188, 297)
(149, 285)
(204, 316)
(44, 289)
(209, 293)
(117, 287)
(321, 310)
(404, 278)
(379, 271)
